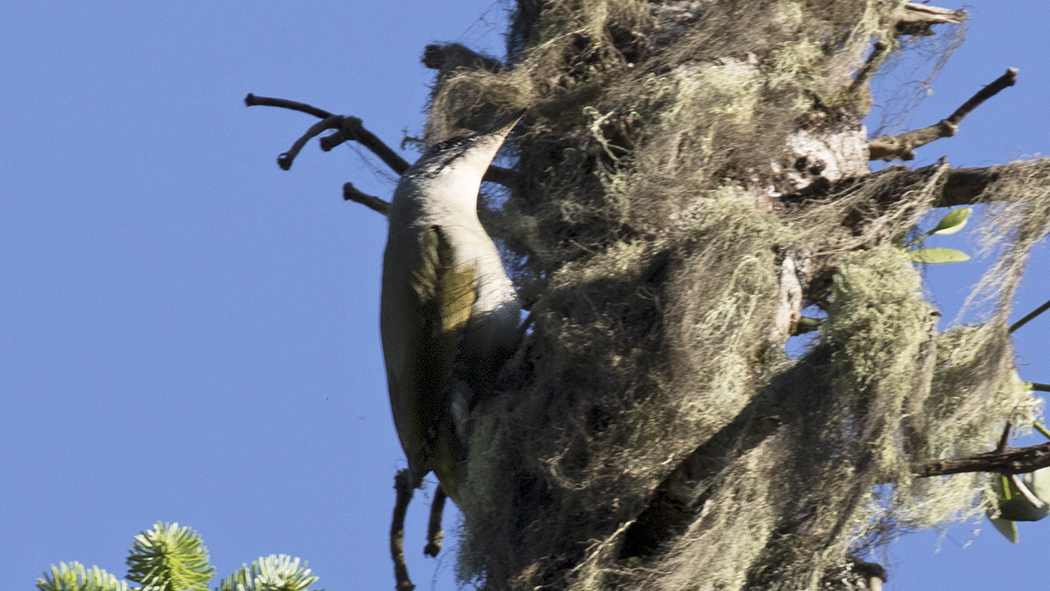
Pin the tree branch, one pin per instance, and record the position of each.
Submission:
(454, 56)
(916, 19)
(962, 186)
(890, 147)
(1030, 316)
(350, 128)
(1007, 79)
(264, 101)
(1012, 460)
(878, 55)
(789, 299)
(350, 193)
(397, 531)
(285, 159)
(434, 532)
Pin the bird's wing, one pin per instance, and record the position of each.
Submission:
(445, 295)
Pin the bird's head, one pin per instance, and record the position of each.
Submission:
(451, 170)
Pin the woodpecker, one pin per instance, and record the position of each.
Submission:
(449, 314)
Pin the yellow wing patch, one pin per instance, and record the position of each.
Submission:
(450, 294)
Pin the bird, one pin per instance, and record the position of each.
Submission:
(449, 314)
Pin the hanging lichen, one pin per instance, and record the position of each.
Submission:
(649, 224)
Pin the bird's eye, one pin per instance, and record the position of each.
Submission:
(442, 146)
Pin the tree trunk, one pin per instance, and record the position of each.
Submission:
(691, 177)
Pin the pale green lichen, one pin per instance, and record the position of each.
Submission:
(643, 218)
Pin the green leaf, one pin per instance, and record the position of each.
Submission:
(169, 558)
(933, 256)
(1039, 483)
(74, 577)
(1014, 507)
(1019, 509)
(953, 221)
(272, 573)
(1004, 492)
(1005, 527)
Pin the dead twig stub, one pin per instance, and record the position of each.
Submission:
(349, 128)
(397, 531)
(961, 186)
(434, 532)
(351, 193)
(902, 147)
(918, 19)
(1030, 316)
(1008, 461)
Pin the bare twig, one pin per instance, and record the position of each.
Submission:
(264, 101)
(872, 65)
(397, 531)
(962, 186)
(352, 129)
(1007, 79)
(434, 531)
(805, 325)
(926, 13)
(286, 158)
(350, 193)
(1009, 461)
(1030, 316)
(916, 19)
(1004, 439)
(349, 127)
(890, 147)
(455, 56)
(789, 300)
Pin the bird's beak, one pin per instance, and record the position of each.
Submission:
(501, 128)
(488, 142)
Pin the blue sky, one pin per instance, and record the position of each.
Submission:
(188, 333)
